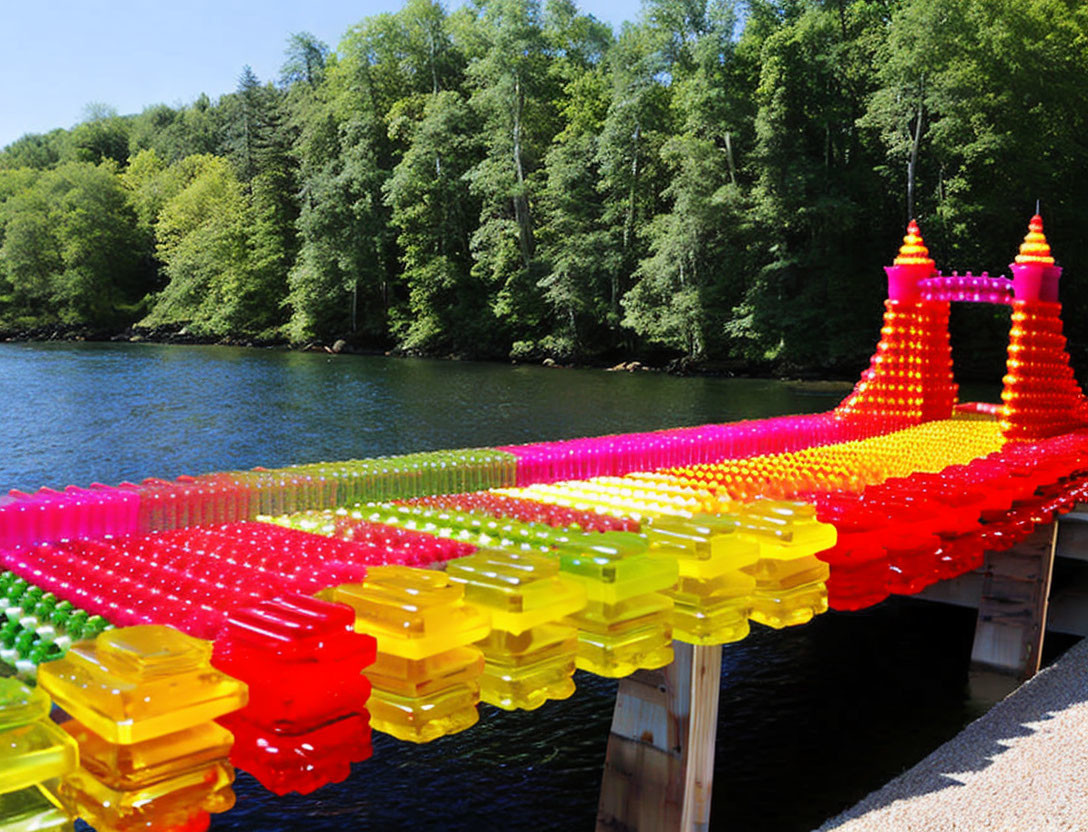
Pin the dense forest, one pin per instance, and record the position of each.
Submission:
(717, 181)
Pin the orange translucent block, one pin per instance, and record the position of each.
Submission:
(33, 754)
(181, 802)
(131, 767)
(529, 656)
(138, 683)
(413, 613)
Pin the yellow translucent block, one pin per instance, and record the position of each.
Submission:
(127, 767)
(713, 611)
(609, 576)
(618, 639)
(425, 718)
(413, 613)
(519, 590)
(526, 669)
(34, 809)
(789, 592)
(703, 550)
(786, 529)
(32, 748)
(534, 686)
(170, 803)
(136, 683)
(422, 677)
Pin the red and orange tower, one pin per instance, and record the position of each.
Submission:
(1041, 398)
(909, 379)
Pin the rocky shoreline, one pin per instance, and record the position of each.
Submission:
(684, 366)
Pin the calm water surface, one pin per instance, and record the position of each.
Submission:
(811, 719)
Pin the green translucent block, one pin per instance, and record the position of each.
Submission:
(34, 809)
(20, 704)
(609, 577)
(32, 748)
(413, 613)
(138, 683)
(519, 590)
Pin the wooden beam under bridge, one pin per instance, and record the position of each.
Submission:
(659, 767)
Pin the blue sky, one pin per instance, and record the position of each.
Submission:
(61, 56)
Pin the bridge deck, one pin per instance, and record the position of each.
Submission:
(1024, 765)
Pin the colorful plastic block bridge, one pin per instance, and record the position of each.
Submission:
(397, 593)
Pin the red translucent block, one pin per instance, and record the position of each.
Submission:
(859, 571)
(306, 721)
(859, 561)
(301, 658)
(303, 762)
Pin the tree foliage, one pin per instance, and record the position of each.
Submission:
(718, 179)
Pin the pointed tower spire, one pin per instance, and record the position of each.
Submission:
(913, 252)
(1035, 248)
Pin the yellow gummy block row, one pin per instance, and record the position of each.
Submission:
(142, 701)
(756, 562)
(848, 466)
(612, 568)
(34, 753)
(426, 678)
(529, 654)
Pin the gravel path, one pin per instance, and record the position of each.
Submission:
(1023, 767)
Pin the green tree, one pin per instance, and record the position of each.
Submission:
(102, 135)
(305, 60)
(447, 306)
(70, 247)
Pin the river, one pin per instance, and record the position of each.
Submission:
(811, 718)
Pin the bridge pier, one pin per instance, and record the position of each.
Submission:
(659, 767)
(1012, 614)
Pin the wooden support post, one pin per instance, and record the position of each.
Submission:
(1013, 608)
(659, 767)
